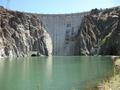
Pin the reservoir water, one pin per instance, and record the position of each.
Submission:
(53, 73)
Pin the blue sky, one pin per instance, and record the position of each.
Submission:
(57, 6)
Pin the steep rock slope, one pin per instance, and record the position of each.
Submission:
(99, 33)
(22, 34)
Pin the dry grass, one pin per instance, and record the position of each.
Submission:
(112, 83)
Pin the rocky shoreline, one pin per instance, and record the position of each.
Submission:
(112, 83)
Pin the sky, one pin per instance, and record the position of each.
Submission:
(57, 6)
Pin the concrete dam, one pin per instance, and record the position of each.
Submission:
(62, 29)
(31, 34)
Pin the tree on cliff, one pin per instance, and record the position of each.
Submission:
(95, 11)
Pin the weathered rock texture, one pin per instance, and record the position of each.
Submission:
(99, 33)
(88, 33)
(22, 34)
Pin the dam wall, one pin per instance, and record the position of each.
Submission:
(62, 28)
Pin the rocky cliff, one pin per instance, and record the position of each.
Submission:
(22, 34)
(99, 33)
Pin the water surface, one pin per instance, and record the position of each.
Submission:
(53, 73)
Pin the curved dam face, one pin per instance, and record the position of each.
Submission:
(62, 28)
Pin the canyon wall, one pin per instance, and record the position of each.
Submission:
(22, 34)
(89, 33)
(99, 33)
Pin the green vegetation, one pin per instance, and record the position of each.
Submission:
(106, 38)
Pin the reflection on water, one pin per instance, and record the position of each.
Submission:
(53, 73)
(49, 67)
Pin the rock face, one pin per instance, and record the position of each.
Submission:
(22, 34)
(99, 33)
(89, 33)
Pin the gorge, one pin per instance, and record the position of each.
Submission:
(89, 33)
(76, 44)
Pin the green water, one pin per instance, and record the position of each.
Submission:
(53, 73)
